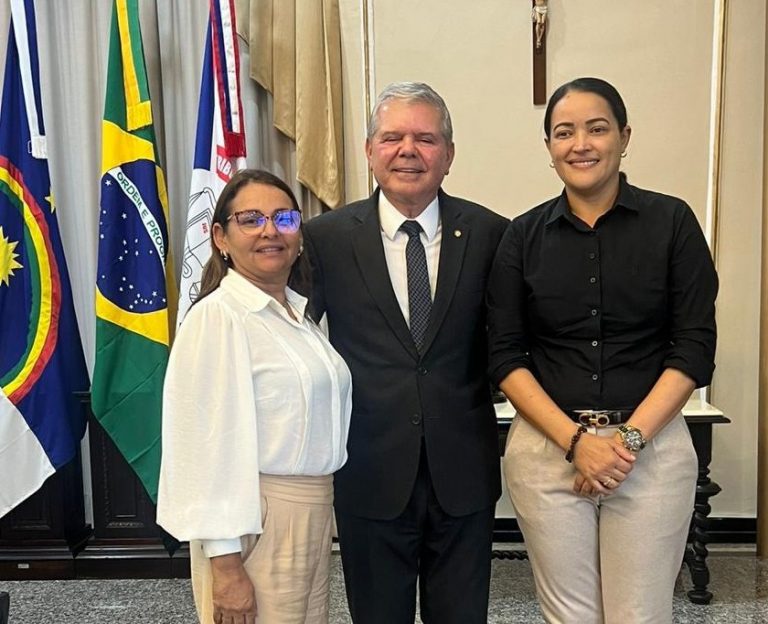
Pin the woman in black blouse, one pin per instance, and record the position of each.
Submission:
(602, 323)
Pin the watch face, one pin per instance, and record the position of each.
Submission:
(633, 440)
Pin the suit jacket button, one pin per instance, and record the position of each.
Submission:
(421, 370)
(416, 419)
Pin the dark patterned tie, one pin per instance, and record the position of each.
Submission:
(419, 295)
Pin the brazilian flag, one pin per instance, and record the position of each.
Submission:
(134, 282)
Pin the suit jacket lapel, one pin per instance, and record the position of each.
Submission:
(369, 253)
(455, 234)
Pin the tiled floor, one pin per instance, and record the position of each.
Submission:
(739, 582)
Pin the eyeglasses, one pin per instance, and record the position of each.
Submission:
(286, 221)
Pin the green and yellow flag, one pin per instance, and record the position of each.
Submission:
(134, 285)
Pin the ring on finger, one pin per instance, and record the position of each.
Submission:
(609, 482)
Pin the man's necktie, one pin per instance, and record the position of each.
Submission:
(419, 295)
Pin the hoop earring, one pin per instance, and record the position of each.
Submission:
(224, 255)
(301, 250)
(551, 164)
(624, 154)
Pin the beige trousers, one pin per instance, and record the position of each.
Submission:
(289, 563)
(603, 559)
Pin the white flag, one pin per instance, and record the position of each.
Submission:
(219, 144)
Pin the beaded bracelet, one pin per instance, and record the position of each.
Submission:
(574, 440)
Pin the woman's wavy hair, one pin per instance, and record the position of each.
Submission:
(216, 267)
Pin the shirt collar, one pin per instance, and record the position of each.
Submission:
(560, 209)
(625, 199)
(391, 218)
(255, 298)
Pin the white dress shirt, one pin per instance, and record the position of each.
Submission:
(248, 390)
(395, 241)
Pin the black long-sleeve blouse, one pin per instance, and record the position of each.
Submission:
(598, 313)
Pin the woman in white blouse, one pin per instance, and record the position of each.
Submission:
(256, 410)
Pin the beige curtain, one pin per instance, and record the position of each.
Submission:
(295, 54)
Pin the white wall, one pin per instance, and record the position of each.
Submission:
(734, 388)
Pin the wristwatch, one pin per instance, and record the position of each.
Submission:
(632, 438)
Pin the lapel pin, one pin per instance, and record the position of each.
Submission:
(457, 233)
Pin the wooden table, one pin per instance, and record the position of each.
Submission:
(700, 416)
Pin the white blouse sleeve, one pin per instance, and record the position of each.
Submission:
(209, 474)
(216, 548)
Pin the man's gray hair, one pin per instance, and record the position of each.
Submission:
(412, 92)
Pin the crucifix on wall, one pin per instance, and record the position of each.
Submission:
(539, 27)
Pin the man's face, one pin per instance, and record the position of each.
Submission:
(408, 155)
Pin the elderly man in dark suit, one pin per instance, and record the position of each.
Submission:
(401, 277)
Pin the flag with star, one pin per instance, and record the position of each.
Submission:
(219, 144)
(134, 279)
(41, 357)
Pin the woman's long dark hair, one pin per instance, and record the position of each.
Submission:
(216, 267)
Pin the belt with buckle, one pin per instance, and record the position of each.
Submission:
(600, 418)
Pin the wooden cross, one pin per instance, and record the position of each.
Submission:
(539, 28)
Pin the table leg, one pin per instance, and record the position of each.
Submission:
(4, 607)
(696, 552)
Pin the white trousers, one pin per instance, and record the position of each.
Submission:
(603, 559)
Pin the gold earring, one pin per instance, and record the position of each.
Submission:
(624, 154)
